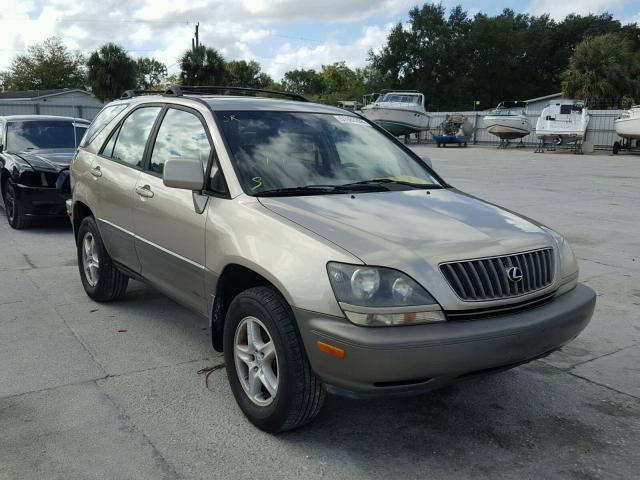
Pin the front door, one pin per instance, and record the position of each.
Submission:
(115, 172)
(170, 231)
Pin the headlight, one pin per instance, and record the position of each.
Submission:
(376, 296)
(568, 265)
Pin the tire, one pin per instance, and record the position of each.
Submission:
(558, 140)
(104, 282)
(13, 208)
(298, 394)
(616, 147)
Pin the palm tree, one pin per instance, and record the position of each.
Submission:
(111, 72)
(602, 69)
(201, 66)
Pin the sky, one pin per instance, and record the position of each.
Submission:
(280, 34)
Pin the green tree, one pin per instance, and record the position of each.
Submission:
(303, 81)
(239, 73)
(602, 70)
(111, 71)
(202, 66)
(150, 74)
(46, 65)
(454, 59)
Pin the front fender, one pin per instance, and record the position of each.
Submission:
(243, 232)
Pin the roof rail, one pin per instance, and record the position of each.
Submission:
(137, 93)
(179, 90)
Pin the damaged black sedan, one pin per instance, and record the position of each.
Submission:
(35, 153)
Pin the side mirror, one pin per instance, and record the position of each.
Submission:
(426, 160)
(182, 173)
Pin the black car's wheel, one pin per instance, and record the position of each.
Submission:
(13, 208)
(100, 278)
(266, 363)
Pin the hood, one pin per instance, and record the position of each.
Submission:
(412, 230)
(48, 160)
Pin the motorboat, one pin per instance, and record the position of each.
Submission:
(351, 105)
(628, 124)
(508, 121)
(400, 112)
(563, 121)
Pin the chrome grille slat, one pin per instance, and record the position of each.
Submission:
(487, 279)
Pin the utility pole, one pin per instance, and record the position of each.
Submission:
(195, 42)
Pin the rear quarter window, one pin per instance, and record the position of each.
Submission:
(103, 118)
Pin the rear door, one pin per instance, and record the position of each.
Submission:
(115, 172)
(170, 229)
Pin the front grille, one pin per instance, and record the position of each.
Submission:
(487, 279)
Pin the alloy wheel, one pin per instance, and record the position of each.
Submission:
(256, 361)
(90, 260)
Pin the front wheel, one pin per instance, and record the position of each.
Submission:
(13, 207)
(100, 278)
(267, 366)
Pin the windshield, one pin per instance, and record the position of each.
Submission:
(507, 112)
(399, 99)
(287, 150)
(43, 134)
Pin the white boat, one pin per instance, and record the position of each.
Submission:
(563, 121)
(628, 124)
(508, 121)
(399, 112)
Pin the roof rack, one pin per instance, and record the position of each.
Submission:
(137, 93)
(180, 90)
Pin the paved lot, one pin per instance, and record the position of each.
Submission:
(111, 391)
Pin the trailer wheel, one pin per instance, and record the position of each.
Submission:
(616, 147)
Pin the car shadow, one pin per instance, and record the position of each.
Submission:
(490, 426)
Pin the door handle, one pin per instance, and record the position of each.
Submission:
(144, 191)
(95, 171)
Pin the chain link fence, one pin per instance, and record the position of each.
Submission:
(600, 130)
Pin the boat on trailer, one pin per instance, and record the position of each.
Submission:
(508, 121)
(627, 126)
(562, 121)
(400, 112)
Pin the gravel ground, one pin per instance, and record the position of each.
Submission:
(111, 391)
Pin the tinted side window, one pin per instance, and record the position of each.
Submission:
(102, 119)
(181, 135)
(133, 135)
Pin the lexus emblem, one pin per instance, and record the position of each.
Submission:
(514, 274)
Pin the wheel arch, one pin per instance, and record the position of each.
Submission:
(80, 212)
(4, 175)
(234, 279)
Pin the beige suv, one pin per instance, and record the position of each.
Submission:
(325, 254)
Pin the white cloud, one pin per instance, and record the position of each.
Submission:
(560, 9)
(633, 19)
(355, 54)
(164, 28)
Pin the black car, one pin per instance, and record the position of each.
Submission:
(35, 152)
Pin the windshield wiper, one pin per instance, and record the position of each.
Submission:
(317, 189)
(382, 181)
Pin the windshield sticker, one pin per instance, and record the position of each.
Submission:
(352, 120)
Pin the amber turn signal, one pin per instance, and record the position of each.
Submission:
(330, 349)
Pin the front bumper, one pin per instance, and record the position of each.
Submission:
(387, 360)
(42, 201)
